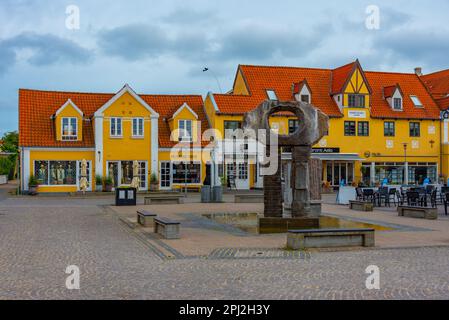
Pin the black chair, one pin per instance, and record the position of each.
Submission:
(413, 198)
(359, 194)
(400, 197)
(443, 192)
(382, 194)
(433, 198)
(391, 196)
(368, 194)
(445, 202)
(429, 189)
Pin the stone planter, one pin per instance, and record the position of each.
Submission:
(32, 190)
(99, 188)
(154, 186)
(108, 188)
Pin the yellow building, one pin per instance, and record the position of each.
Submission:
(382, 125)
(111, 131)
(438, 85)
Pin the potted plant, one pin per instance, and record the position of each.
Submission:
(108, 185)
(33, 184)
(98, 183)
(326, 187)
(154, 182)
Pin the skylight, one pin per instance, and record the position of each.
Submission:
(416, 101)
(272, 95)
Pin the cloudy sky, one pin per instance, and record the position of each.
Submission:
(163, 46)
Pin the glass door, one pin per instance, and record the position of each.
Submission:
(112, 172)
(165, 175)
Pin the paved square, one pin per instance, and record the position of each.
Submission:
(40, 237)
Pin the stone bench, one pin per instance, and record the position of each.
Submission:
(167, 228)
(361, 205)
(145, 218)
(249, 198)
(329, 238)
(189, 188)
(418, 212)
(164, 199)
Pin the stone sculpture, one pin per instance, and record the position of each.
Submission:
(313, 124)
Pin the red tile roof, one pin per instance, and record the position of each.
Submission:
(340, 76)
(281, 79)
(321, 82)
(443, 103)
(389, 91)
(410, 85)
(36, 107)
(438, 83)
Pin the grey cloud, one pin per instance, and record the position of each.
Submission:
(416, 46)
(255, 43)
(46, 49)
(140, 41)
(134, 42)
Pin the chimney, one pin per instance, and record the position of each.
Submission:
(418, 71)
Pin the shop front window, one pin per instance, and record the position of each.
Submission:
(58, 173)
(190, 173)
(418, 173)
(41, 172)
(63, 173)
(392, 172)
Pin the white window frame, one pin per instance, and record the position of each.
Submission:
(182, 132)
(69, 137)
(271, 94)
(416, 101)
(116, 120)
(394, 103)
(140, 127)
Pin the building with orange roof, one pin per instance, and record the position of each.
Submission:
(111, 131)
(438, 86)
(383, 125)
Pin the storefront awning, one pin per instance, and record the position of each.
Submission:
(337, 156)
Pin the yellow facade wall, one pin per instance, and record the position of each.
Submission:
(126, 147)
(240, 85)
(185, 114)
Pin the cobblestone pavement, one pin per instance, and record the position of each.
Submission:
(39, 238)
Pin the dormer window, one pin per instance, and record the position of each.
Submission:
(397, 103)
(356, 101)
(272, 95)
(302, 91)
(416, 101)
(69, 129)
(305, 98)
(185, 130)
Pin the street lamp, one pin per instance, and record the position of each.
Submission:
(405, 145)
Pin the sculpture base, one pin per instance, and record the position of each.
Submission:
(282, 225)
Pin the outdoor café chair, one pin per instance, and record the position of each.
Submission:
(445, 202)
(391, 196)
(368, 194)
(413, 198)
